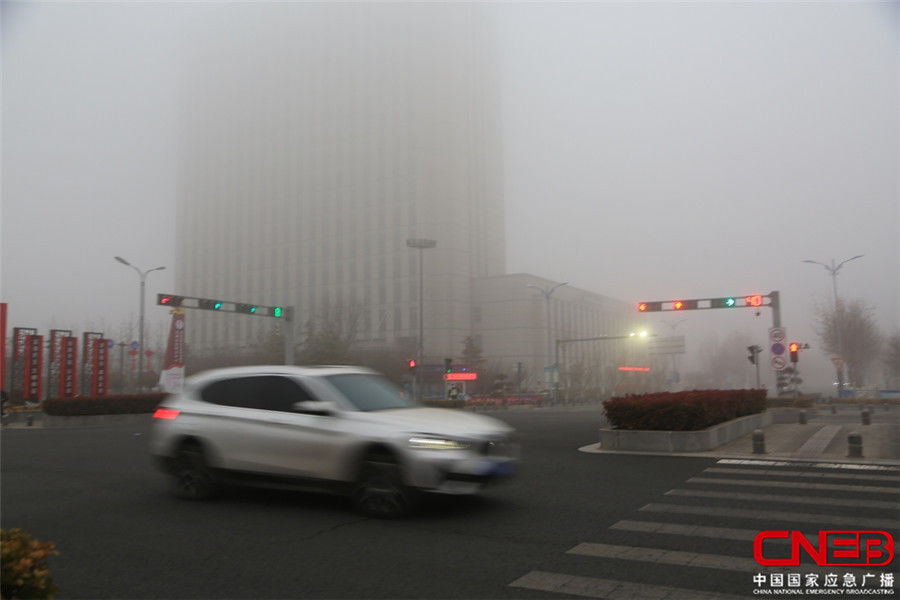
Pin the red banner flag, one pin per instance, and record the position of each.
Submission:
(68, 367)
(99, 373)
(34, 364)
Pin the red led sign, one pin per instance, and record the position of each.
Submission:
(468, 376)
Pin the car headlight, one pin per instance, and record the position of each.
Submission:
(421, 442)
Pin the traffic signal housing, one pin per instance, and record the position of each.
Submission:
(448, 365)
(794, 347)
(169, 300)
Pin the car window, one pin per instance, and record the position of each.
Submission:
(264, 392)
(370, 392)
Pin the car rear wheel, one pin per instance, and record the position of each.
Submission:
(193, 477)
(380, 491)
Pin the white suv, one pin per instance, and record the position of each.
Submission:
(347, 427)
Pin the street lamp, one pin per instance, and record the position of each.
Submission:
(143, 277)
(834, 271)
(547, 293)
(420, 244)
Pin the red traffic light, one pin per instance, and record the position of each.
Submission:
(642, 307)
(169, 300)
(677, 304)
(755, 300)
(794, 347)
(411, 363)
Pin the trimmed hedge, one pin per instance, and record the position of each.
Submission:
(682, 411)
(102, 405)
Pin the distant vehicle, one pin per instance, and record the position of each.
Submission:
(343, 429)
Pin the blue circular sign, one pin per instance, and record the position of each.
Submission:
(778, 348)
(135, 345)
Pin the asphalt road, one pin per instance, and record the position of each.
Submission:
(571, 524)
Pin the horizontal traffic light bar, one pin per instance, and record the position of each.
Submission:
(246, 308)
(751, 301)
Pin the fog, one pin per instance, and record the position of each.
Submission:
(651, 151)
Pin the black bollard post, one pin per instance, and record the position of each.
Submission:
(803, 416)
(854, 445)
(866, 417)
(759, 442)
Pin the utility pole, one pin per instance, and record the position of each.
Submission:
(554, 368)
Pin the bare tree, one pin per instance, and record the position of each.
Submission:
(892, 361)
(329, 339)
(850, 331)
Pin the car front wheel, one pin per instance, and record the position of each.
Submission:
(380, 491)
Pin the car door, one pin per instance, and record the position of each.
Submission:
(291, 442)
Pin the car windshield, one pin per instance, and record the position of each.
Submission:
(370, 392)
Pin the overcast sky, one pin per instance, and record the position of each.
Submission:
(653, 151)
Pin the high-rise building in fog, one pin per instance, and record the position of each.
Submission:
(316, 140)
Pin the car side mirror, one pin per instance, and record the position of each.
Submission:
(311, 407)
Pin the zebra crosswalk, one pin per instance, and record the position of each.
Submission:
(696, 540)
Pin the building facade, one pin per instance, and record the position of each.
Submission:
(317, 139)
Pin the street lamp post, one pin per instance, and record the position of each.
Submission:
(547, 293)
(143, 277)
(420, 244)
(833, 270)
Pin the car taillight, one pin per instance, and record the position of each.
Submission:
(166, 413)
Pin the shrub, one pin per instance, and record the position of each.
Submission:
(24, 572)
(102, 405)
(682, 411)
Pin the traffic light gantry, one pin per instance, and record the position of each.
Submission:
(749, 301)
(176, 301)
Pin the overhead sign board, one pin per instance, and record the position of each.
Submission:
(666, 345)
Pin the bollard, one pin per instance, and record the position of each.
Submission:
(803, 416)
(854, 445)
(759, 442)
(833, 409)
(29, 420)
(866, 417)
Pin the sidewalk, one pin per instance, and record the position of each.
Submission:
(822, 438)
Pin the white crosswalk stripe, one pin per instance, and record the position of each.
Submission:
(695, 507)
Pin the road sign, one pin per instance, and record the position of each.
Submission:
(135, 345)
(777, 334)
(778, 348)
(779, 363)
(838, 363)
(666, 345)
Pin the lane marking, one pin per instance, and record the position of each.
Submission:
(802, 474)
(816, 465)
(594, 587)
(769, 515)
(835, 487)
(789, 499)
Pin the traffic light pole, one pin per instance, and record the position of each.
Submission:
(289, 335)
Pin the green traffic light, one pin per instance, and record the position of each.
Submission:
(729, 302)
(217, 305)
(252, 309)
(276, 312)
